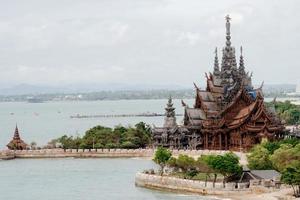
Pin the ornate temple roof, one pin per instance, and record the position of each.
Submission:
(229, 93)
(228, 114)
(17, 143)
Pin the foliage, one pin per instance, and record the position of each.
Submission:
(283, 156)
(161, 157)
(291, 176)
(185, 163)
(227, 164)
(259, 158)
(138, 136)
(289, 112)
(286, 156)
(264, 156)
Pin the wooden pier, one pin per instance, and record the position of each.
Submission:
(121, 115)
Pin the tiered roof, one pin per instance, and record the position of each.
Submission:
(229, 100)
(17, 143)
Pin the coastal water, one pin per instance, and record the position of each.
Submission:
(78, 179)
(41, 122)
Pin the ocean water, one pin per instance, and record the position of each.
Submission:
(41, 122)
(78, 179)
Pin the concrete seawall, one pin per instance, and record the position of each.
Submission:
(102, 153)
(187, 186)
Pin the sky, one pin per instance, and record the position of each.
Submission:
(144, 42)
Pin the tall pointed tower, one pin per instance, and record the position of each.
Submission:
(170, 119)
(229, 65)
(17, 143)
(216, 64)
(241, 65)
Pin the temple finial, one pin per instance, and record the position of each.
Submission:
(170, 100)
(216, 63)
(242, 66)
(16, 134)
(228, 37)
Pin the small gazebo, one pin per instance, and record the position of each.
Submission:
(16, 143)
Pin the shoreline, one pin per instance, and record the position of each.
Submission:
(185, 186)
(106, 153)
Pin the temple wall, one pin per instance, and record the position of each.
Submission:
(57, 153)
(189, 186)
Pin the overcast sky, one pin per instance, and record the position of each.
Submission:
(154, 42)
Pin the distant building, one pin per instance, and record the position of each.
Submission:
(229, 114)
(295, 132)
(16, 143)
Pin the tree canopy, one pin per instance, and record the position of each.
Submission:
(97, 137)
(283, 156)
(227, 164)
(287, 111)
(161, 157)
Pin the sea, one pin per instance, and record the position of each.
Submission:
(41, 122)
(77, 179)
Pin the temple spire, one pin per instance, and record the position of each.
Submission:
(229, 65)
(16, 134)
(242, 66)
(170, 110)
(216, 63)
(228, 37)
(170, 119)
(17, 143)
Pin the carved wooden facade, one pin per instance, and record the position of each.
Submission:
(228, 114)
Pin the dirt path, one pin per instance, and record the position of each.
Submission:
(283, 194)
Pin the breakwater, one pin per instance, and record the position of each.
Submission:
(190, 186)
(121, 115)
(102, 153)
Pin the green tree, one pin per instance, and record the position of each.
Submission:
(259, 158)
(138, 136)
(289, 112)
(286, 156)
(291, 176)
(128, 145)
(161, 157)
(227, 165)
(187, 165)
(202, 167)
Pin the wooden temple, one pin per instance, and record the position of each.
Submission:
(16, 143)
(229, 114)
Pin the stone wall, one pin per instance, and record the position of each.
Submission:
(189, 186)
(57, 153)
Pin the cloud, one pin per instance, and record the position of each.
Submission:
(98, 33)
(160, 41)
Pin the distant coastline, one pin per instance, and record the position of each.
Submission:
(269, 91)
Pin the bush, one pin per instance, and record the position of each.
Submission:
(128, 145)
(161, 157)
(100, 137)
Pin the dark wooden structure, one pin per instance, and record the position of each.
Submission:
(228, 114)
(16, 143)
